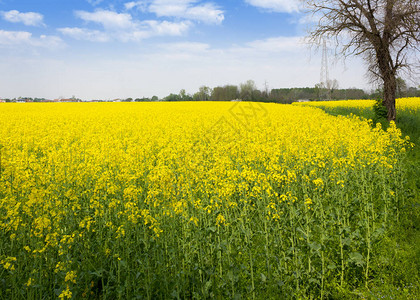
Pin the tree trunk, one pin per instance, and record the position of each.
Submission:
(390, 88)
(385, 64)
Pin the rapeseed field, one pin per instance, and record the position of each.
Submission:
(410, 106)
(224, 200)
(411, 103)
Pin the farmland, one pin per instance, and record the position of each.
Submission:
(201, 200)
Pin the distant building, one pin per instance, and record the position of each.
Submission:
(24, 100)
(66, 100)
(303, 100)
(2, 101)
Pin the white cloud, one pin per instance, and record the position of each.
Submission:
(170, 8)
(277, 44)
(187, 52)
(168, 28)
(133, 36)
(14, 37)
(122, 26)
(48, 41)
(287, 6)
(138, 31)
(148, 29)
(309, 19)
(85, 34)
(185, 9)
(29, 18)
(193, 47)
(23, 38)
(142, 5)
(108, 19)
(130, 5)
(207, 13)
(266, 50)
(94, 2)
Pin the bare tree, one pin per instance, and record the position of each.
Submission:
(332, 85)
(401, 87)
(247, 90)
(385, 32)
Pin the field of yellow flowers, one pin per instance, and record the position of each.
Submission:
(192, 200)
(412, 103)
(410, 106)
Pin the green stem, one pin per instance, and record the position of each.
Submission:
(308, 241)
(267, 255)
(252, 275)
(219, 253)
(342, 261)
(368, 250)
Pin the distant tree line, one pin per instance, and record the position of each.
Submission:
(248, 91)
(26, 99)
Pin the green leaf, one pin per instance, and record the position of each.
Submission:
(356, 258)
(263, 278)
(315, 246)
(207, 286)
(347, 241)
(212, 229)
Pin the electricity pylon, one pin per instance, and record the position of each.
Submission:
(324, 80)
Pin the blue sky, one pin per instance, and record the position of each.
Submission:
(106, 49)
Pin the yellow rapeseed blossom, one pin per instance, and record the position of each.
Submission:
(412, 103)
(71, 277)
(220, 219)
(29, 282)
(308, 202)
(8, 263)
(66, 293)
(86, 181)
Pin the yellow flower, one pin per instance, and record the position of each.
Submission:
(71, 276)
(220, 220)
(308, 202)
(8, 263)
(120, 232)
(29, 282)
(59, 267)
(318, 182)
(194, 220)
(66, 294)
(340, 183)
